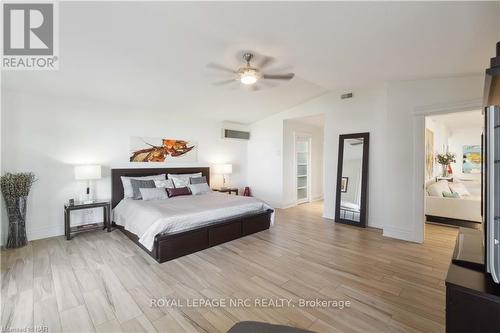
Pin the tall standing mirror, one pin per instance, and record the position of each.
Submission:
(352, 179)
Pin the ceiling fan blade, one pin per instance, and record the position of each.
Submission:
(266, 62)
(287, 76)
(220, 67)
(223, 83)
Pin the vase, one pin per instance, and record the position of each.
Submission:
(16, 210)
(445, 170)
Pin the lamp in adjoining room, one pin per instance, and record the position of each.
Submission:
(88, 173)
(223, 169)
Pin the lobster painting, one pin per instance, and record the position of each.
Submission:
(159, 153)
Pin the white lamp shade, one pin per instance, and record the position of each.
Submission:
(223, 169)
(87, 172)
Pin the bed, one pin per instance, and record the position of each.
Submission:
(350, 211)
(171, 228)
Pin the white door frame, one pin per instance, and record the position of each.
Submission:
(309, 160)
(419, 115)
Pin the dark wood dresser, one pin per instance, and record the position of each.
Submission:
(472, 298)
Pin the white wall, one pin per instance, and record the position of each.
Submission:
(459, 138)
(363, 113)
(49, 135)
(407, 104)
(265, 174)
(289, 180)
(265, 154)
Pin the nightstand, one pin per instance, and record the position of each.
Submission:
(450, 179)
(104, 204)
(226, 190)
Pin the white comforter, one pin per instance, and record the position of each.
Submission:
(146, 219)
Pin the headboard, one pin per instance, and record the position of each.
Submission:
(117, 186)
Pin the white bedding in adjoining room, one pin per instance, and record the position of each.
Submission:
(146, 219)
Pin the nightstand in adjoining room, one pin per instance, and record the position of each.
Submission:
(104, 204)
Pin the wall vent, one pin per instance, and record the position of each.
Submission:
(233, 134)
(345, 96)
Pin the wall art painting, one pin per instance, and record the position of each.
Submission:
(162, 150)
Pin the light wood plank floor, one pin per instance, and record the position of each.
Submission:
(103, 282)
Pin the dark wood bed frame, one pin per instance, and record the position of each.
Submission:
(170, 246)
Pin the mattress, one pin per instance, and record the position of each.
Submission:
(146, 219)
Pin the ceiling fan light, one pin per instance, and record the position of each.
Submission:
(248, 78)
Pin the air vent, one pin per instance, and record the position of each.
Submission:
(232, 134)
(345, 96)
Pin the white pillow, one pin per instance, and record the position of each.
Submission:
(197, 189)
(155, 193)
(437, 189)
(459, 188)
(167, 183)
(127, 186)
(182, 180)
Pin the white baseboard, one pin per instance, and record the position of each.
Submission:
(46, 232)
(290, 205)
(293, 204)
(398, 233)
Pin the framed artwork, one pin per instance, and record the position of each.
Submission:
(429, 154)
(343, 184)
(162, 150)
(471, 159)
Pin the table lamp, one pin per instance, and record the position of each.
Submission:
(224, 169)
(88, 173)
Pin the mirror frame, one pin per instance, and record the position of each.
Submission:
(364, 180)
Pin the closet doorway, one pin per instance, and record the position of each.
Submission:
(303, 168)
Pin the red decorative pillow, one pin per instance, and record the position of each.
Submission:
(175, 192)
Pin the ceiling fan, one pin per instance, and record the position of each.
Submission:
(248, 74)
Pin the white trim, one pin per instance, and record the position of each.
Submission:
(40, 233)
(467, 105)
(419, 114)
(317, 198)
(399, 233)
(286, 206)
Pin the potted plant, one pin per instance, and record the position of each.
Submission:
(15, 189)
(445, 160)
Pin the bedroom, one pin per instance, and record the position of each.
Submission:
(453, 166)
(156, 88)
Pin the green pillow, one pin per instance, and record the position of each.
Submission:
(454, 195)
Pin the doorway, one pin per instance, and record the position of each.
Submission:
(452, 168)
(303, 160)
(303, 168)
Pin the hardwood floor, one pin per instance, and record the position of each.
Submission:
(103, 282)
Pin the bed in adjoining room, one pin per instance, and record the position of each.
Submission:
(153, 207)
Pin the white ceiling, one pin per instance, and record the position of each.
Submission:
(458, 120)
(153, 55)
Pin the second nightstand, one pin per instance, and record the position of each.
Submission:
(226, 190)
